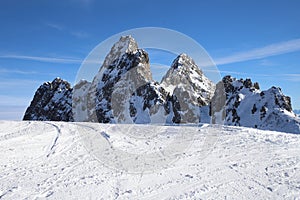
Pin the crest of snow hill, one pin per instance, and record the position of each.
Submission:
(124, 91)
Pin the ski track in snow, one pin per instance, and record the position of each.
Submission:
(49, 160)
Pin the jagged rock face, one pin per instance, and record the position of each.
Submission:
(119, 81)
(149, 104)
(79, 101)
(126, 44)
(52, 102)
(189, 87)
(247, 106)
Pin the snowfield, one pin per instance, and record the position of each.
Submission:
(61, 160)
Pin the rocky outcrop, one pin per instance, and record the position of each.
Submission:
(248, 106)
(149, 104)
(52, 102)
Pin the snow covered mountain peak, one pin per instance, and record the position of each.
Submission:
(183, 60)
(126, 44)
(189, 89)
(118, 79)
(185, 74)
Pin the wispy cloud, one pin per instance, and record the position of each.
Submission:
(12, 112)
(21, 84)
(79, 34)
(42, 59)
(266, 62)
(55, 26)
(16, 71)
(157, 66)
(263, 52)
(224, 73)
(6, 100)
(291, 77)
(24, 72)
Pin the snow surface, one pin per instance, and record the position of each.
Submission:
(59, 160)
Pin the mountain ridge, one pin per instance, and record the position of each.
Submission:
(123, 91)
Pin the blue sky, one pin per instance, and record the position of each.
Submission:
(40, 40)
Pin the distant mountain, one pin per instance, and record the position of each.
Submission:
(123, 91)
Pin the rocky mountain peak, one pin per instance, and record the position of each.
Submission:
(119, 80)
(126, 44)
(183, 60)
(186, 74)
(52, 101)
(189, 88)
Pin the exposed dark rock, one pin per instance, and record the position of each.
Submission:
(254, 109)
(243, 99)
(52, 102)
(119, 82)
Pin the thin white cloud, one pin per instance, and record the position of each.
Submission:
(24, 72)
(291, 77)
(263, 52)
(16, 71)
(266, 62)
(12, 112)
(7, 100)
(55, 26)
(80, 34)
(43, 59)
(157, 66)
(76, 33)
(224, 73)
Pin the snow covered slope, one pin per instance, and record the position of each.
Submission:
(60, 160)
